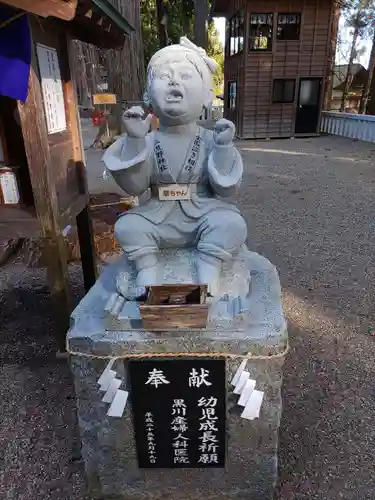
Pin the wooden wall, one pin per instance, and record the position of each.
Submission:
(234, 70)
(306, 57)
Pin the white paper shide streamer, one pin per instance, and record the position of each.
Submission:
(250, 398)
(110, 385)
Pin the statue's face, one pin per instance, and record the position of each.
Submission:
(177, 92)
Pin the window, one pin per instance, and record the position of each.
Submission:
(288, 26)
(232, 95)
(261, 28)
(283, 90)
(235, 33)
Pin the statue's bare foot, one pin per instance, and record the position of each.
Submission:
(147, 276)
(209, 270)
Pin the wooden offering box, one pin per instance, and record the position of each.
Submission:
(175, 306)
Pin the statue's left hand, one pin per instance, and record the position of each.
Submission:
(224, 131)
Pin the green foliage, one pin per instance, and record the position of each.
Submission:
(180, 22)
(149, 28)
(359, 15)
(216, 51)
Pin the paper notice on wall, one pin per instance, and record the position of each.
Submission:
(52, 89)
(9, 188)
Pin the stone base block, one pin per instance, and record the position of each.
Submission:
(108, 444)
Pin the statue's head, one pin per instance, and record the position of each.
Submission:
(179, 82)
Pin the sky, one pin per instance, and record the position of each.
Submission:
(341, 56)
(343, 53)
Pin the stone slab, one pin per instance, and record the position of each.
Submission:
(108, 445)
(240, 316)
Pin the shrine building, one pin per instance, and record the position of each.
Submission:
(278, 64)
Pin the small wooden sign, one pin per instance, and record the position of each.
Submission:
(174, 192)
(104, 98)
(175, 306)
(179, 412)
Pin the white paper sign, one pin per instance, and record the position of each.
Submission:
(52, 89)
(107, 375)
(9, 188)
(241, 383)
(112, 389)
(252, 408)
(106, 380)
(237, 375)
(118, 404)
(246, 392)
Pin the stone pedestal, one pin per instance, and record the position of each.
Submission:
(242, 321)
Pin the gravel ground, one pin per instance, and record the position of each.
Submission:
(309, 205)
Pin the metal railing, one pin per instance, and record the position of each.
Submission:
(212, 113)
(361, 127)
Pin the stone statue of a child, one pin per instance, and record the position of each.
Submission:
(185, 166)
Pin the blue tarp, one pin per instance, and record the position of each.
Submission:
(15, 55)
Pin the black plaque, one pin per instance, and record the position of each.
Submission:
(179, 412)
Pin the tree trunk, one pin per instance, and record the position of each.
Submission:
(348, 77)
(331, 57)
(125, 72)
(125, 68)
(201, 23)
(367, 89)
(162, 23)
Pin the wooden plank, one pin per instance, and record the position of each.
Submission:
(159, 318)
(68, 216)
(62, 9)
(18, 223)
(35, 135)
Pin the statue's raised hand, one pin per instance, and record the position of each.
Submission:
(135, 125)
(224, 131)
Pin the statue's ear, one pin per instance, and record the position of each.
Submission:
(208, 97)
(146, 97)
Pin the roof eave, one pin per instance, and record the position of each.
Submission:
(115, 16)
(61, 9)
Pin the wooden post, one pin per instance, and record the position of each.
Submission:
(84, 222)
(334, 26)
(86, 245)
(39, 161)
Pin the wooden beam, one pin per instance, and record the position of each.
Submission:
(62, 9)
(36, 142)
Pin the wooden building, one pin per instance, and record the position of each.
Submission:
(278, 62)
(42, 170)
